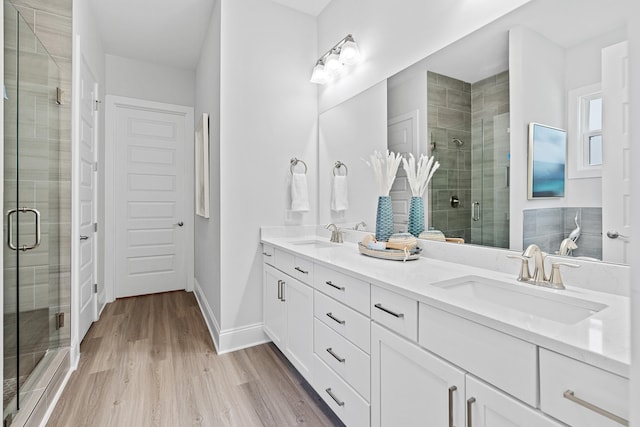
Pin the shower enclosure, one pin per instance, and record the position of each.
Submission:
(468, 125)
(32, 206)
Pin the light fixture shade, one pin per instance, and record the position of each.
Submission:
(350, 53)
(332, 64)
(319, 75)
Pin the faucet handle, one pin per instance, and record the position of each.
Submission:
(555, 279)
(524, 274)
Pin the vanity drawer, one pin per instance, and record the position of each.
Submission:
(346, 289)
(560, 374)
(347, 322)
(300, 268)
(394, 311)
(268, 254)
(352, 409)
(500, 359)
(352, 364)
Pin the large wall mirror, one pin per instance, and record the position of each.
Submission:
(470, 105)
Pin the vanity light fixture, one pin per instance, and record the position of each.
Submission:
(345, 52)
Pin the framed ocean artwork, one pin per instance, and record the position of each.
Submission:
(547, 161)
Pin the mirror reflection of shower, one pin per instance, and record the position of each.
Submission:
(468, 125)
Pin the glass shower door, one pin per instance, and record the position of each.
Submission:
(31, 209)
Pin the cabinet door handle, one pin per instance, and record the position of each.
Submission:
(333, 396)
(569, 394)
(451, 390)
(335, 319)
(386, 310)
(470, 402)
(335, 356)
(301, 270)
(330, 283)
(266, 254)
(280, 290)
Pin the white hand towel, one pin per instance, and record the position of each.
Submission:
(339, 195)
(299, 193)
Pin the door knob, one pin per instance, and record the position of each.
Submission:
(180, 224)
(614, 235)
(84, 237)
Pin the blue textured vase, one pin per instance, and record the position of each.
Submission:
(384, 219)
(416, 216)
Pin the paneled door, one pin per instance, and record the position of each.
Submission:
(402, 137)
(149, 195)
(87, 204)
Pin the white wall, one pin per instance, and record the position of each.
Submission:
(536, 95)
(207, 231)
(268, 114)
(152, 82)
(350, 132)
(394, 34)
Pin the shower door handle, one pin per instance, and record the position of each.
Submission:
(475, 211)
(10, 226)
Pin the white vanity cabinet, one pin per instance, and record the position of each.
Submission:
(412, 387)
(288, 318)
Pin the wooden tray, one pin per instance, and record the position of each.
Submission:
(391, 254)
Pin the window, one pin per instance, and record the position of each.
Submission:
(585, 132)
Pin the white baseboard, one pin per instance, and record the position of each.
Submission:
(226, 341)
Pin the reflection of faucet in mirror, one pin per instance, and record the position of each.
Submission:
(567, 246)
(361, 223)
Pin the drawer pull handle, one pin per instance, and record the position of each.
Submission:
(333, 396)
(470, 402)
(335, 319)
(301, 270)
(266, 254)
(386, 310)
(340, 288)
(569, 394)
(451, 390)
(335, 356)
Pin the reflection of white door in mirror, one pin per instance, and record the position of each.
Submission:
(402, 137)
(616, 183)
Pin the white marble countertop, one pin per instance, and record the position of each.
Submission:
(602, 340)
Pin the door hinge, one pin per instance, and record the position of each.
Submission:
(59, 96)
(95, 288)
(95, 227)
(97, 104)
(95, 166)
(59, 320)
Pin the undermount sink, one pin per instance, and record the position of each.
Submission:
(314, 243)
(535, 302)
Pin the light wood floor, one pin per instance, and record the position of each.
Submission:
(149, 361)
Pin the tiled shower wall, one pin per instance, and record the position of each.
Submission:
(51, 21)
(549, 226)
(490, 160)
(449, 117)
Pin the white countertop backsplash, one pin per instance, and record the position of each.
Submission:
(602, 340)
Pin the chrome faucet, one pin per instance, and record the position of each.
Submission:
(533, 251)
(539, 278)
(361, 223)
(336, 233)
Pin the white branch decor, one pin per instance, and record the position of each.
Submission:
(419, 177)
(385, 167)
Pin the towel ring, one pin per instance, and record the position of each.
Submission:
(294, 163)
(337, 167)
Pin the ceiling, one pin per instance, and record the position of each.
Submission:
(169, 32)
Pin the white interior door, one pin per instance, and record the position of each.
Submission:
(149, 195)
(616, 167)
(87, 205)
(402, 137)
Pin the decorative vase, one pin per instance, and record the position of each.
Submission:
(384, 219)
(416, 216)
